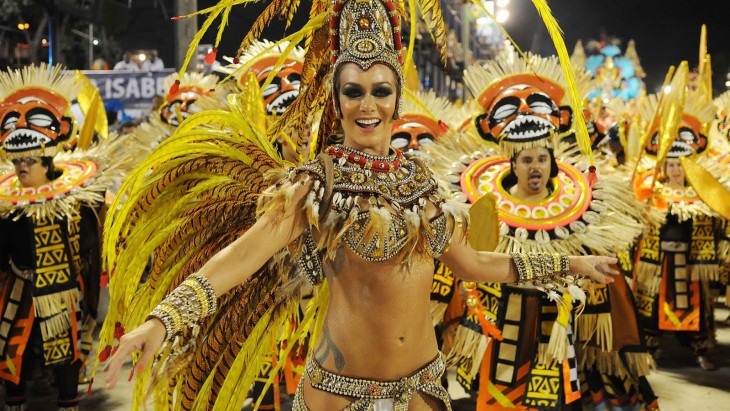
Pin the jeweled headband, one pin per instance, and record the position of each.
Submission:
(367, 32)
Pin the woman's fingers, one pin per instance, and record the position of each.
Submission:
(147, 338)
(114, 366)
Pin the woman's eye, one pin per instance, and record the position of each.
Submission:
(382, 92)
(352, 93)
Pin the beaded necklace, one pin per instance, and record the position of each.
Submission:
(382, 164)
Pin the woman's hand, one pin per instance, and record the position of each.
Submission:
(147, 338)
(598, 269)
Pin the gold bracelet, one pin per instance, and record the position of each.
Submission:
(193, 300)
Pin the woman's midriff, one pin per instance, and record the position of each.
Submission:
(378, 324)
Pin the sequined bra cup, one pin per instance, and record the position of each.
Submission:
(378, 206)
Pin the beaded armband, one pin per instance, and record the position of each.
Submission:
(541, 268)
(187, 304)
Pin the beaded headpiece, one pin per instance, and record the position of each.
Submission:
(366, 32)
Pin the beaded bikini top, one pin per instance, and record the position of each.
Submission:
(381, 207)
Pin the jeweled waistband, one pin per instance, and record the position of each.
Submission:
(426, 380)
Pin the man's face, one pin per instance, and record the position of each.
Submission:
(30, 171)
(532, 168)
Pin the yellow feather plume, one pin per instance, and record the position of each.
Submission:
(556, 34)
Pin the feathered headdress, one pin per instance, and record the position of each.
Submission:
(35, 111)
(358, 31)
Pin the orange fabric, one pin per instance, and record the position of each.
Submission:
(690, 318)
(485, 400)
(570, 395)
(17, 341)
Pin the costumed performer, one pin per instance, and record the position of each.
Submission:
(360, 215)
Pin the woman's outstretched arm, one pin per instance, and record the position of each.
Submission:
(226, 269)
(483, 266)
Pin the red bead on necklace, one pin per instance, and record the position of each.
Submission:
(366, 161)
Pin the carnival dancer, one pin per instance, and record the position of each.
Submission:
(360, 215)
(676, 261)
(50, 209)
(545, 204)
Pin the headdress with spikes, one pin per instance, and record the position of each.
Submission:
(677, 122)
(507, 73)
(35, 111)
(191, 87)
(424, 119)
(259, 61)
(260, 51)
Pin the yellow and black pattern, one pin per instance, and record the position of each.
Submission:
(54, 271)
(543, 387)
(703, 259)
(442, 287)
(56, 291)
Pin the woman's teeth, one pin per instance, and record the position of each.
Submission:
(370, 122)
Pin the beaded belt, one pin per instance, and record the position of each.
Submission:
(426, 380)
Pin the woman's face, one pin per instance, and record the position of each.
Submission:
(675, 172)
(367, 100)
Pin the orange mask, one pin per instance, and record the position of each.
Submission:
(33, 118)
(689, 140)
(522, 112)
(284, 87)
(180, 102)
(412, 131)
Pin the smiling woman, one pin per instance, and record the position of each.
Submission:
(367, 102)
(362, 222)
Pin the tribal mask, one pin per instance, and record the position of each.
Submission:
(284, 87)
(413, 131)
(523, 111)
(691, 138)
(35, 121)
(179, 106)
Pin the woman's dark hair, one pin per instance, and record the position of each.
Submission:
(51, 170)
(511, 179)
